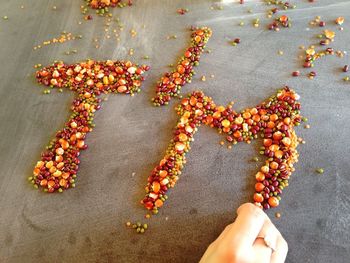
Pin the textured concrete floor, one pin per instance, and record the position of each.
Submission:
(86, 224)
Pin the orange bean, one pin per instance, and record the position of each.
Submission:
(52, 169)
(63, 183)
(274, 165)
(264, 117)
(43, 182)
(181, 69)
(183, 137)
(221, 108)
(51, 184)
(59, 158)
(250, 121)
(197, 39)
(279, 154)
(64, 144)
(156, 187)
(237, 134)
(273, 117)
(286, 141)
(216, 115)
(259, 187)
(267, 142)
(193, 101)
(265, 169)
(163, 173)
(274, 147)
(273, 201)
(60, 165)
(260, 176)
(49, 164)
(287, 120)
(80, 144)
(158, 203)
(179, 146)
(277, 136)
(226, 123)
(122, 89)
(271, 124)
(65, 175)
(36, 171)
(246, 115)
(239, 120)
(258, 198)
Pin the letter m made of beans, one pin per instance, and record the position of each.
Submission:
(273, 119)
(57, 169)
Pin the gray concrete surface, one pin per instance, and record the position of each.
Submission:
(86, 224)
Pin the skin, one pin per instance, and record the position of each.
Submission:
(243, 242)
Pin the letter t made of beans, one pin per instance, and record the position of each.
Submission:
(57, 169)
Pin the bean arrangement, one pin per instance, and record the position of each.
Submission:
(171, 83)
(274, 119)
(58, 167)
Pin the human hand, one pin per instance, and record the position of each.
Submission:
(252, 238)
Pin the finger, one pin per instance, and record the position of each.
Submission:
(262, 253)
(247, 226)
(279, 256)
(270, 234)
